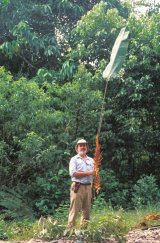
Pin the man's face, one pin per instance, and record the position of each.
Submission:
(82, 148)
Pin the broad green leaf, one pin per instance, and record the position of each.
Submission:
(118, 54)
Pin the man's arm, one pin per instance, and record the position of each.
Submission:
(83, 173)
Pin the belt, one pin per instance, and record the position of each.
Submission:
(85, 184)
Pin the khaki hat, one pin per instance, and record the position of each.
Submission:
(82, 141)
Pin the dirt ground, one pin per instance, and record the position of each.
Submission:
(151, 235)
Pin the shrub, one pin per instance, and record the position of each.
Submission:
(145, 191)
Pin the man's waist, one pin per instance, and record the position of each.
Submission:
(83, 184)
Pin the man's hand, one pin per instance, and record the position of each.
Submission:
(90, 172)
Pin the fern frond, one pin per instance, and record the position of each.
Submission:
(15, 205)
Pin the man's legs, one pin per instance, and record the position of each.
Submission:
(75, 205)
(86, 206)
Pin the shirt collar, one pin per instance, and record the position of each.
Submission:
(78, 156)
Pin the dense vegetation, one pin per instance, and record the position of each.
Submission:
(52, 55)
(105, 223)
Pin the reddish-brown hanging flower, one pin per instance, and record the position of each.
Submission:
(97, 162)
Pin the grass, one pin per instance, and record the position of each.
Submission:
(16, 230)
(105, 221)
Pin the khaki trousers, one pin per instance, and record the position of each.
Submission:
(80, 202)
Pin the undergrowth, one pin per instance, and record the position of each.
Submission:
(105, 222)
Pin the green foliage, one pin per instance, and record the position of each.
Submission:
(63, 55)
(106, 224)
(5, 163)
(53, 190)
(49, 228)
(62, 211)
(39, 131)
(15, 205)
(146, 192)
(131, 118)
(35, 34)
(99, 203)
(103, 224)
(97, 25)
(3, 3)
(114, 192)
(19, 230)
(3, 235)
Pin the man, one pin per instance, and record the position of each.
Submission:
(81, 170)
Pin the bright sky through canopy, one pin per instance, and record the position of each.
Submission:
(142, 6)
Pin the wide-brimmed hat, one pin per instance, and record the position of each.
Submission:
(81, 141)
